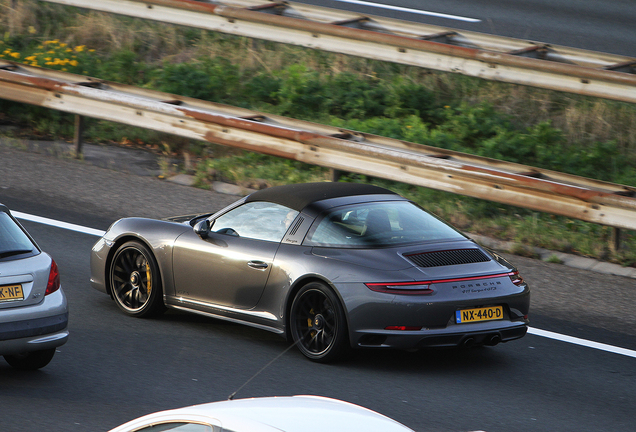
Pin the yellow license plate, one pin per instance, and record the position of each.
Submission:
(11, 292)
(479, 314)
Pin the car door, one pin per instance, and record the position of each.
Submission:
(230, 267)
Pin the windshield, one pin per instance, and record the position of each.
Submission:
(379, 224)
(13, 241)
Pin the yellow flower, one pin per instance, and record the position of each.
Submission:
(64, 69)
(15, 55)
(30, 58)
(80, 48)
(68, 50)
(32, 29)
(47, 58)
(50, 52)
(73, 63)
(91, 50)
(62, 45)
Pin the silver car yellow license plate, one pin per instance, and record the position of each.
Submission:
(11, 293)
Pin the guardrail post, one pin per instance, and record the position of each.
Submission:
(615, 244)
(78, 138)
(335, 174)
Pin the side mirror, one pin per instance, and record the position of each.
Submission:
(202, 228)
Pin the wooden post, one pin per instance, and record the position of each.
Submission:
(79, 132)
(615, 243)
(335, 174)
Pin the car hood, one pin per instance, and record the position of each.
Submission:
(431, 260)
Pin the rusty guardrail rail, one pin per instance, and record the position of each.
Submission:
(543, 190)
(479, 55)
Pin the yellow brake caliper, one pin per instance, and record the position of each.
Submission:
(310, 323)
(149, 279)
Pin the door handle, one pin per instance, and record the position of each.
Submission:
(258, 265)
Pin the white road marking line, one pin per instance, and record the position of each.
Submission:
(582, 342)
(531, 330)
(59, 224)
(413, 11)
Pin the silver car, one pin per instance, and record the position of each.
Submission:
(33, 308)
(328, 265)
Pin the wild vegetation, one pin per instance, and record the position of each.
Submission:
(562, 132)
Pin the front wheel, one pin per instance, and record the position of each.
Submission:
(134, 280)
(318, 325)
(32, 360)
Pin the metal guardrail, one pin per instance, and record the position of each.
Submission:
(459, 173)
(479, 55)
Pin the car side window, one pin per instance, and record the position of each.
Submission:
(178, 427)
(256, 220)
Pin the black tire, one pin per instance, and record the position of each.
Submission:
(135, 282)
(31, 360)
(318, 325)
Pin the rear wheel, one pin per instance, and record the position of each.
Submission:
(135, 282)
(31, 360)
(318, 325)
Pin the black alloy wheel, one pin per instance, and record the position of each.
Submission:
(135, 282)
(318, 325)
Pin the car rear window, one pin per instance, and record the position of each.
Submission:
(379, 224)
(13, 241)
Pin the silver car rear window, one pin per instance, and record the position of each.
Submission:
(379, 224)
(13, 241)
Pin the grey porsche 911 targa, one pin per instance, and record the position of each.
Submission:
(331, 266)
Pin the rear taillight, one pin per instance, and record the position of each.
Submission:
(516, 278)
(54, 279)
(421, 288)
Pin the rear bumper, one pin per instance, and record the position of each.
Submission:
(36, 327)
(487, 333)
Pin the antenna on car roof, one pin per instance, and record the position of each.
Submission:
(230, 397)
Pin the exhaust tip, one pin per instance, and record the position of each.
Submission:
(468, 342)
(493, 340)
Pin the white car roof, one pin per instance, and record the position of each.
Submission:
(289, 414)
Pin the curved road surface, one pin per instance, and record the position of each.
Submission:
(605, 26)
(116, 368)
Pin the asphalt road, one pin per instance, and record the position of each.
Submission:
(116, 368)
(604, 26)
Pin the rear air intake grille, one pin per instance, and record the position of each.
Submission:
(295, 227)
(449, 257)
